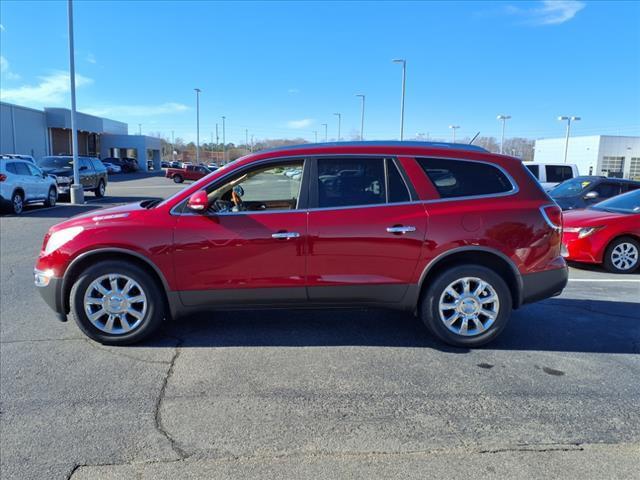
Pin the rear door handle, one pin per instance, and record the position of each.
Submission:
(285, 235)
(401, 229)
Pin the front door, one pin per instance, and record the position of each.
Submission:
(365, 231)
(249, 247)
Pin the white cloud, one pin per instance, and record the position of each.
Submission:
(304, 123)
(551, 12)
(5, 70)
(293, 91)
(91, 58)
(52, 90)
(137, 110)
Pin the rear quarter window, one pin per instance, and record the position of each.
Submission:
(558, 173)
(534, 169)
(463, 178)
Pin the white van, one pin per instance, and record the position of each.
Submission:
(551, 174)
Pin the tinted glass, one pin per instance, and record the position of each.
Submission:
(22, 169)
(84, 162)
(98, 165)
(534, 169)
(56, 162)
(35, 171)
(558, 173)
(570, 188)
(607, 190)
(350, 181)
(397, 189)
(11, 168)
(458, 178)
(627, 203)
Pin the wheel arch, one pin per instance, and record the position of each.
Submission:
(81, 262)
(484, 256)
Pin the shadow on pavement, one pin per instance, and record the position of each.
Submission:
(126, 177)
(556, 325)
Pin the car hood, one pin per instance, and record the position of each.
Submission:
(102, 216)
(588, 218)
(59, 172)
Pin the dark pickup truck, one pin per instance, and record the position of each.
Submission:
(192, 172)
(93, 174)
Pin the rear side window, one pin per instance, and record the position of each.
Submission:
(461, 178)
(350, 181)
(11, 168)
(98, 165)
(607, 190)
(558, 173)
(535, 169)
(21, 169)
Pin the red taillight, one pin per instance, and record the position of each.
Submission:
(3, 177)
(552, 215)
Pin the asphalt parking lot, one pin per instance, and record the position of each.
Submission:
(315, 394)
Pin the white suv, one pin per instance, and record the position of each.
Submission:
(22, 182)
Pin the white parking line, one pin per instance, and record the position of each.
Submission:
(38, 210)
(630, 280)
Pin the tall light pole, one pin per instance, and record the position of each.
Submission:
(315, 132)
(217, 142)
(454, 128)
(246, 137)
(139, 129)
(566, 140)
(362, 96)
(76, 193)
(213, 149)
(224, 142)
(172, 146)
(504, 119)
(339, 115)
(197, 90)
(404, 80)
(325, 132)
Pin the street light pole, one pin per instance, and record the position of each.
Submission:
(325, 132)
(404, 80)
(197, 90)
(217, 142)
(224, 141)
(504, 119)
(76, 192)
(316, 134)
(246, 137)
(566, 140)
(454, 128)
(339, 115)
(172, 146)
(362, 96)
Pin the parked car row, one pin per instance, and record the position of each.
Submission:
(22, 183)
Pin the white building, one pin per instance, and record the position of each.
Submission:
(611, 156)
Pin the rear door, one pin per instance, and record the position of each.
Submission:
(365, 230)
(40, 186)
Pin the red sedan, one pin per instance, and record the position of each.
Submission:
(607, 233)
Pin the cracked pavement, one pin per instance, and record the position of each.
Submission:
(316, 394)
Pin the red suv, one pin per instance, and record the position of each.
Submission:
(452, 233)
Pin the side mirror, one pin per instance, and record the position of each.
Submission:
(198, 202)
(591, 195)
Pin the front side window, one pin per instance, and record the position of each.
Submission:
(35, 171)
(272, 187)
(558, 173)
(22, 169)
(461, 178)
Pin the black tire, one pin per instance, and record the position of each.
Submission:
(430, 300)
(618, 243)
(100, 191)
(16, 206)
(151, 320)
(178, 179)
(52, 197)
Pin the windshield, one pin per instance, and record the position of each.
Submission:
(56, 162)
(570, 188)
(626, 203)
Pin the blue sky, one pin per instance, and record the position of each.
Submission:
(282, 69)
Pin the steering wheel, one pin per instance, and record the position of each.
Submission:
(236, 197)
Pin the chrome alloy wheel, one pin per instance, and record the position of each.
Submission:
(624, 256)
(18, 204)
(115, 304)
(469, 306)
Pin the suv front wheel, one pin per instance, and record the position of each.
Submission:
(116, 303)
(466, 306)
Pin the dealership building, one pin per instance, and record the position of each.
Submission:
(48, 132)
(608, 155)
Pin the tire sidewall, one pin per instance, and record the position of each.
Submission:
(608, 262)
(430, 314)
(13, 205)
(49, 202)
(155, 307)
(100, 191)
(178, 179)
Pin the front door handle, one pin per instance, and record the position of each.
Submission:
(401, 229)
(285, 235)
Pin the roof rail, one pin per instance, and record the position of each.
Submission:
(383, 143)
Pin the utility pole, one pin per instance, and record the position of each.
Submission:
(504, 119)
(172, 146)
(76, 193)
(325, 132)
(403, 62)
(566, 140)
(246, 138)
(339, 115)
(224, 142)
(315, 132)
(361, 116)
(197, 90)
(454, 128)
(217, 142)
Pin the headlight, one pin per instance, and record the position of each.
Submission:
(582, 231)
(59, 238)
(63, 179)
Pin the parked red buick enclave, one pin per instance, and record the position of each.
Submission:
(451, 232)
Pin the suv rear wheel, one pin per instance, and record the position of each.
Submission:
(116, 303)
(466, 306)
(622, 255)
(52, 198)
(178, 179)
(100, 190)
(17, 203)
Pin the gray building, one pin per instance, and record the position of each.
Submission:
(48, 132)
